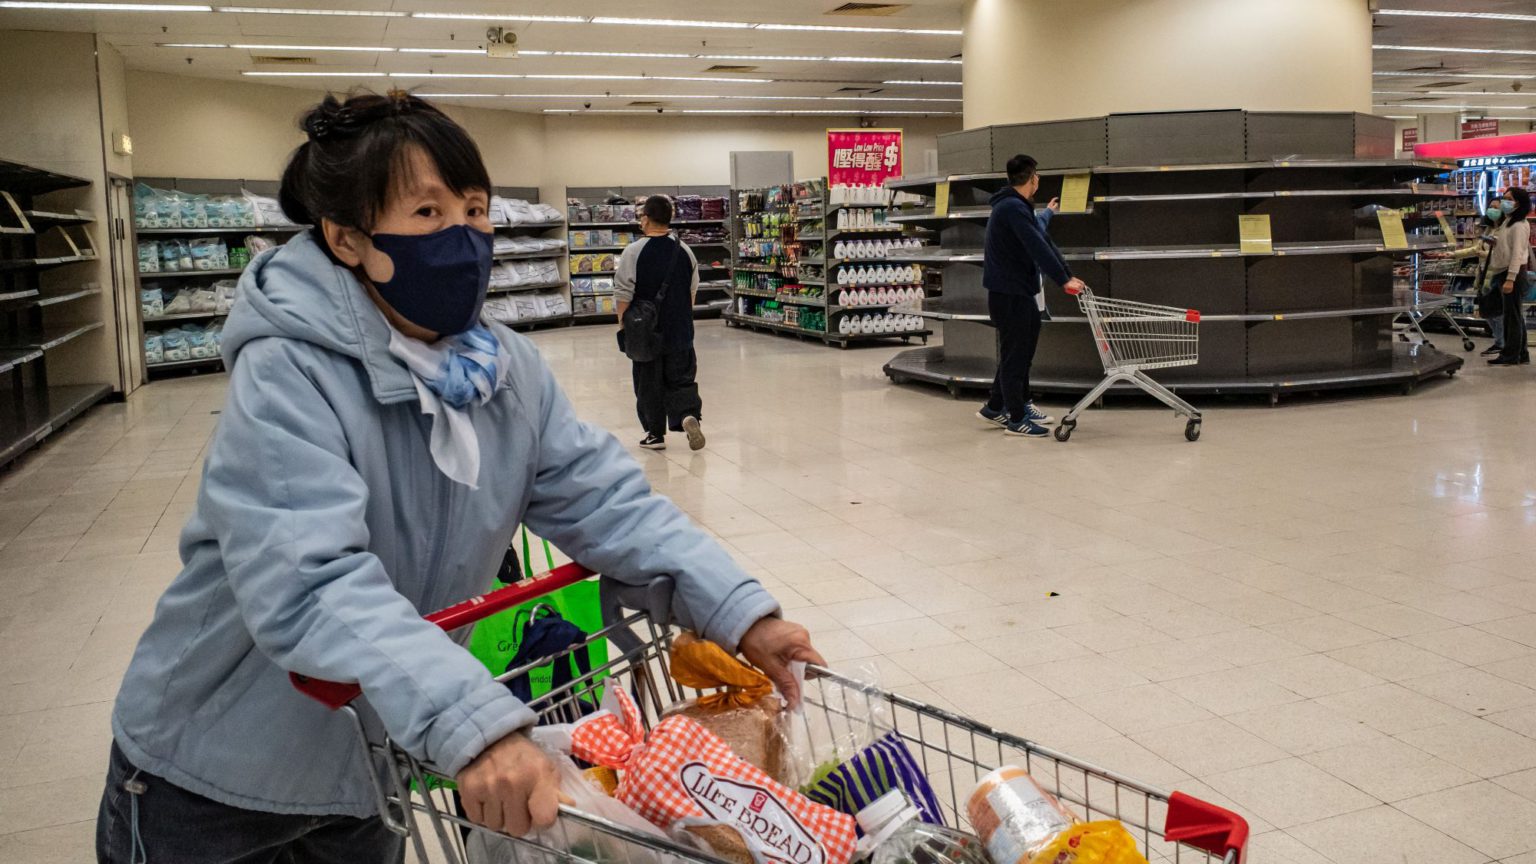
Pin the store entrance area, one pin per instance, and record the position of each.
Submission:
(1323, 615)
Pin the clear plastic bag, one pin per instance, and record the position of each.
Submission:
(209, 253)
(846, 720)
(568, 834)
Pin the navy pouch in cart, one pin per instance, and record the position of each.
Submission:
(872, 772)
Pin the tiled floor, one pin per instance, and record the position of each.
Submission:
(1324, 614)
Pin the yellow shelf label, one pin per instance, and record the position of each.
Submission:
(1254, 235)
(941, 200)
(1392, 233)
(1445, 227)
(1074, 193)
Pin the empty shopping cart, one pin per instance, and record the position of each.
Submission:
(954, 752)
(1133, 337)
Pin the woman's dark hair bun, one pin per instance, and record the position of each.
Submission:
(358, 146)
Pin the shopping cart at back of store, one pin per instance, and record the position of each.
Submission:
(954, 752)
(1132, 338)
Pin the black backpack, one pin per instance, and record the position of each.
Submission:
(642, 320)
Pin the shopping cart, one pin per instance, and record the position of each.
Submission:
(955, 752)
(1133, 337)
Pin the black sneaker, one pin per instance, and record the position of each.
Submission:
(1496, 349)
(653, 442)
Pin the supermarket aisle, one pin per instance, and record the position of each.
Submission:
(1324, 614)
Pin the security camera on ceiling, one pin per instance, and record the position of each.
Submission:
(500, 43)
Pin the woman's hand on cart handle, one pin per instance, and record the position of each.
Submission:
(1075, 286)
(511, 787)
(772, 644)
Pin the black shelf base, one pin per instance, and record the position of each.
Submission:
(36, 414)
(1410, 366)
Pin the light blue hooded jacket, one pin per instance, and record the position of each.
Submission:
(323, 531)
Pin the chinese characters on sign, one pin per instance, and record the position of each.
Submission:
(863, 157)
(1479, 128)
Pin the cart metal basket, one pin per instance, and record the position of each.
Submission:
(954, 751)
(1132, 338)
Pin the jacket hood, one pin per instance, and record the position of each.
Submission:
(1005, 192)
(297, 292)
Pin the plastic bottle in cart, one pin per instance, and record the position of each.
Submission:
(894, 834)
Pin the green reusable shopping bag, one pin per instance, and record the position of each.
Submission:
(495, 640)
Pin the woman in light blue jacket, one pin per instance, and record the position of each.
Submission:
(378, 448)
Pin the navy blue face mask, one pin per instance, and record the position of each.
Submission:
(440, 278)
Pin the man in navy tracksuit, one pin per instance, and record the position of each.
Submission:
(1018, 253)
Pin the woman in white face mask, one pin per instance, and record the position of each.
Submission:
(1507, 273)
(379, 446)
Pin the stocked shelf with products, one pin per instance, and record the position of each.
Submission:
(1307, 302)
(194, 238)
(605, 220)
(810, 264)
(529, 284)
(42, 229)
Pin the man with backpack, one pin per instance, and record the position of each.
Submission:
(659, 274)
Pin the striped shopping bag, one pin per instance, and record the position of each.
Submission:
(877, 769)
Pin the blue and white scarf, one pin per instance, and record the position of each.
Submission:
(450, 374)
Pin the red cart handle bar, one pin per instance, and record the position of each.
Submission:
(1205, 826)
(334, 694)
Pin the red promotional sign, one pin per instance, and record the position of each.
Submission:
(1410, 137)
(862, 157)
(1479, 128)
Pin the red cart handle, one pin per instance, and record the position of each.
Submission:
(1205, 826)
(334, 694)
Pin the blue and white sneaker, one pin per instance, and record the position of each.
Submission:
(1035, 415)
(996, 418)
(1027, 429)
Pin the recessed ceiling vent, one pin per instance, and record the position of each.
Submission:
(1439, 85)
(725, 67)
(284, 61)
(857, 89)
(647, 104)
(869, 8)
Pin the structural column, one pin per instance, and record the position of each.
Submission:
(1033, 60)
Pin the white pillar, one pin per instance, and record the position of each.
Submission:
(1031, 60)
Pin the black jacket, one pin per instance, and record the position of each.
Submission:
(1018, 251)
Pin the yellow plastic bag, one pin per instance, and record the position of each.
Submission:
(1102, 842)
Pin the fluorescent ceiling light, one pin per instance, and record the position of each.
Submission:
(674, 22)
(925, 83)
(1438, 94)
(447, 51)
(316, 74)
(491, 16)
(1434, 13)
(309, 48)
(1465, 107)
(813, 58)
(1467, 75)
(274, 10)
(807, 57)
(645, 54)
(101, 7)
(544, 77)
(189, 45)
(1443, 50)
(838, 28)
(945, 62)
(666, 96)
(764, 112)
(1401, 116)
